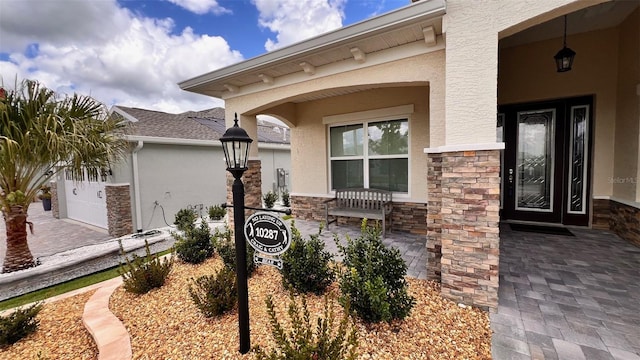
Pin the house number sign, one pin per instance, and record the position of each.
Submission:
(268, 234)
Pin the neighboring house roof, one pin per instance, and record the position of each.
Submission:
(421, 20)
(195, 125)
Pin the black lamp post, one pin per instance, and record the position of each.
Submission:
(235, 144)
(564, 57)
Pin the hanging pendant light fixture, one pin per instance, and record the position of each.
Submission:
(564, 57)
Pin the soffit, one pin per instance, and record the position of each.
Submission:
(597, 17)
(384, 32)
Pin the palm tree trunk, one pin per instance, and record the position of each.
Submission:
(18, 254)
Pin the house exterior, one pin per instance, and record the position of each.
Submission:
(459, 109)
(176, 161)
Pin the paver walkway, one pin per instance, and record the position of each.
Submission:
(567, 297)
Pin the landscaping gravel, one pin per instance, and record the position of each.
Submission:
(165, 324)
(60, 335)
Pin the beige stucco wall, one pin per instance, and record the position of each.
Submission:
(626, 174)
(527, 73)
(417, 80)
(309, 155)
(424, 68)
(472, 32)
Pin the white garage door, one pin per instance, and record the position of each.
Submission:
(86, 198)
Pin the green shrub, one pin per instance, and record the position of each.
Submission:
(185, 219)
(141, 274)
(215, 294)
(301, 343)
(373, 281)
(286, 201)
(18, 324)
(270, 199)
(306, 265)
(226, 247)
(195, 245)
(217, 212)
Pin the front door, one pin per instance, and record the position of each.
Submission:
(546, 161)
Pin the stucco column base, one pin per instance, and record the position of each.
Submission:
(467, 225)
(252, 180)
(119, 217)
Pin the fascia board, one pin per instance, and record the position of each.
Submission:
(125, 114)
(416, 12)
(197, 142)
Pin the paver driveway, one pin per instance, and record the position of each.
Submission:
(52, 236)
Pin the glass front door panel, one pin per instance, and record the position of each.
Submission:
(578, 159)
(534, 161)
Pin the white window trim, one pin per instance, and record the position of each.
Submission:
(401, 112)
(369, 115)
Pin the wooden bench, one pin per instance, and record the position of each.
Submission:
(362, 203)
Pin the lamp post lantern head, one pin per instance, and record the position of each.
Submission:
(235, 144)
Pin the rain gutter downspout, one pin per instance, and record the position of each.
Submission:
(136, 184)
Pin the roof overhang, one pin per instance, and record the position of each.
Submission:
(421, 20)
(198, 142)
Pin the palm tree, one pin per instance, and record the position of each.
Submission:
(41, 134)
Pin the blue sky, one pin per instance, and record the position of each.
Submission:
(134, 52)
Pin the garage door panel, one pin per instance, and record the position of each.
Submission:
(86, 200)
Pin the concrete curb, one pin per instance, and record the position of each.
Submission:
(107, 331)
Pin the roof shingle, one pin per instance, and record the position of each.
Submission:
(197, 125)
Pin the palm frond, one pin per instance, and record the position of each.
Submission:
(43, 134)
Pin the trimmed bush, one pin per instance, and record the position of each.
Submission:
(217, 212)
(195, 245)
(306, 265)
(302, 343)
(141, 274)
(270, 199)
(286, 201)
(215, 294)
(18, 324)
(185, 219)
(226, 247)
(373, 280)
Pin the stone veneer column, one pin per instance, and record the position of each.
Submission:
(469, 230)
(252, 179)
(119, 215)
(434, 216)
(55, 208)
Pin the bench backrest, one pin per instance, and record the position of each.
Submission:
(367, 199)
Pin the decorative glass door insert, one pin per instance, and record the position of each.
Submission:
(578, 158)
(535, 160)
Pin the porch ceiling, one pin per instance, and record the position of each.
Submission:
(400, 27)
(597, 17)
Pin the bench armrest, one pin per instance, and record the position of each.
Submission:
(328, 201)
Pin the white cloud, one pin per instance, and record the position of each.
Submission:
(117, 57)
(202, 6)
(296, 20)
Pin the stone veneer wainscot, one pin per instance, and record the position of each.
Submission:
(463, 218)
(119, 209)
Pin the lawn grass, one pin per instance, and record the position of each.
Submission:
(64, 287)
